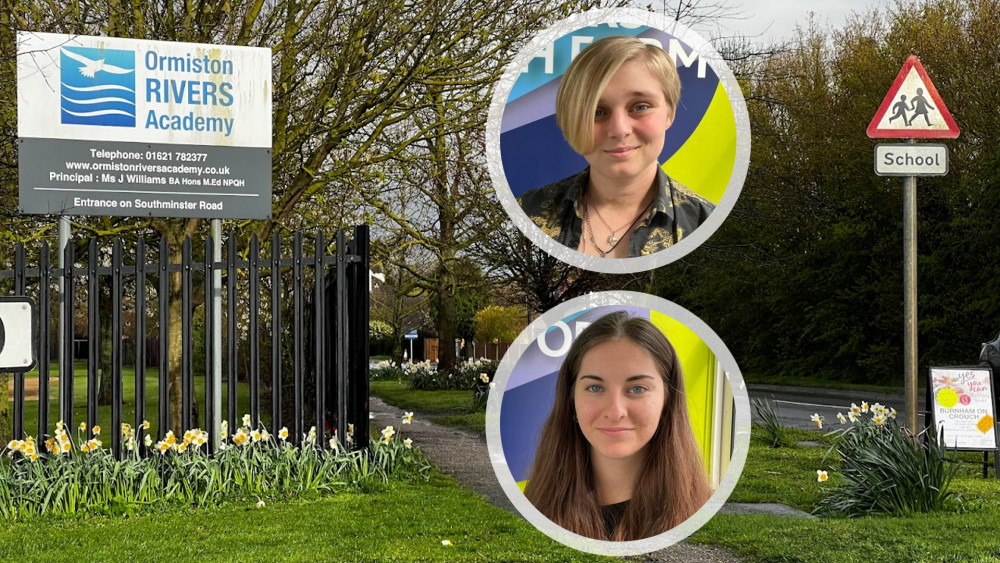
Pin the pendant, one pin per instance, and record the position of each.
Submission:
(611, 239)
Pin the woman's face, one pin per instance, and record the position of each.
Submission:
(619, 396)
(629, 125)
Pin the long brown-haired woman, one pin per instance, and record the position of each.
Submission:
(617, 459)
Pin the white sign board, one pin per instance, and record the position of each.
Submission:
(117, 126)
(17, 342)
(963, 407)
(904, 159)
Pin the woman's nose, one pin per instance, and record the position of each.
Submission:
(619, 126)
(615, 408)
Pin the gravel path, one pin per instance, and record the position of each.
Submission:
(463, 455)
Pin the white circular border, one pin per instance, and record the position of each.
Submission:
(741, 423)
(572, 256)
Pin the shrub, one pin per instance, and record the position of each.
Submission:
(886, 469)
(501, 324)
(84, 477)
(771, 430)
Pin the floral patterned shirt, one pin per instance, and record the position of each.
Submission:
(557, 210)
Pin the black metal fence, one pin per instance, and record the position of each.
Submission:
(317, 312)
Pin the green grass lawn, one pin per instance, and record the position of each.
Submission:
(405, 522)
(788, 476)
(450, 408)
(128, 409)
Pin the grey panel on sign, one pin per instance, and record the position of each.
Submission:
(69, 177)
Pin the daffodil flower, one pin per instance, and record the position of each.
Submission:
(246, 420)
(864, 407)
(83, 427)
(283, 433)
(408, 443)
(878, 419)
(892, 413)
(817, 420)
(445, 542)
(841, 418)
(484, 378)
(148, 440)
(821, 475)
(853, 416)
(855, 409)
(407, 418)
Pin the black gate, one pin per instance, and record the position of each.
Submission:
(317, 373)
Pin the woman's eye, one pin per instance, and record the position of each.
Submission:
(599, 113)
(592, 388)
(641, 107)
(635, 389)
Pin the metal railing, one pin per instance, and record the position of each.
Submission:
(325, 296)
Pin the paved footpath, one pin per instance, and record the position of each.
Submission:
(463, 455)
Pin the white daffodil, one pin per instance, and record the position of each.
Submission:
(821, 475)
(817, 420)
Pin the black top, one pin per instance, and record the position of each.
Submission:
(613, 514)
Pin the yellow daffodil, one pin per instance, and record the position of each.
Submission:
(878, 408)
(83, 427)
(67, 446)
(246, 420)
(878, 419)
(85, 448)
(22, 445)
(147, 440)
(408, 443)
(484, 378)
(182, 447)
(817, 420)
(407, 418)
(445, 542)
(821, 475)
(170, 439)
(145, 425)
(350, 429)
(855, 409)
(864, 407)
(12, 445)
(853, 416)
(892, 413)
(255, 435)
(34, 457)
(283, 433)
(841, 418)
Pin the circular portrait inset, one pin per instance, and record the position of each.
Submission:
(615, 144)
(621, 425)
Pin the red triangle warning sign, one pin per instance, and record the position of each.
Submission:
(912, 109)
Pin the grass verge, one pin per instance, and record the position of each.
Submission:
(788, 476)
(450, 408)
(403, 522)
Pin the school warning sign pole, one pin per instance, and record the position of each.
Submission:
(911, 110)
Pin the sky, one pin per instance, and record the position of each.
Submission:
(763, 21)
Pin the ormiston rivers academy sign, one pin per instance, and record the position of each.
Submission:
(112, 126)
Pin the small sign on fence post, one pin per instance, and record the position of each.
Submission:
(17, 334)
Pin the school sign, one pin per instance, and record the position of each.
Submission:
(111, 126)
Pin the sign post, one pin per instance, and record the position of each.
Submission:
(917, 112)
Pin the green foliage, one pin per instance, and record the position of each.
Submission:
(887, 470)
(386, 370)
(770, 429)
(87, 479)
(499, 324)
